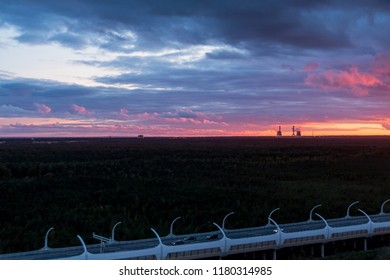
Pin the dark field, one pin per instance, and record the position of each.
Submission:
(80, 186)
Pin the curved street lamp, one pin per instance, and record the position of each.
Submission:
(370, 231)
(270, 214)
(171, 228)
(224, 219)
(279, 229)
(113, 231)
(224, 238)
(326, 224)
(46, 247)
(383, 205)
(275, 223)
(84, 246)
(368, 217)
(365, 214)
(157, 235)
(327, 237)
(349, 207)
(159, 241)
(322, 218)
(311, 211)
(221, 229)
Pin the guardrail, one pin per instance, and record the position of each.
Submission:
(222, 242)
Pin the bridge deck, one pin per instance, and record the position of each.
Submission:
(265, 237)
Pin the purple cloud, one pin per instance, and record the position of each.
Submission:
(80, 109)
(42, 108)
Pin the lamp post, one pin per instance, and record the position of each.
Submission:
(311, 212)
(46, 247)
(383, 205)
(275, 223)
(113, 231)
(221, 229)
(279, 231)
(159, 241)
(171, 228)
(157, 235)
(326, 223)
(349, 207)
(224, 219)
(224, 251)
(84, 246)
(270, 214)
(370, 231)
(365, 214)
(322, 244)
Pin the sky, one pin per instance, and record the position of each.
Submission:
(194, 67)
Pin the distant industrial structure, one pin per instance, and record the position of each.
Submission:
(279, 133)
(296, 132)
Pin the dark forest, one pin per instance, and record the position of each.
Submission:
(80, 186)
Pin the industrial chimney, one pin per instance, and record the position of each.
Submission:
(279, 132)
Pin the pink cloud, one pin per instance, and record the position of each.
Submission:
(351, 79)
(42, 108)
(80, 109)
(183, 116)
(146, 116)
(381, 66)
(311, 66)
(124, 113)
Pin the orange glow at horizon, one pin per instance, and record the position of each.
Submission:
(335, 129)
(50, 127)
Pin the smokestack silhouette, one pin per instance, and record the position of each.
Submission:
(279, 133)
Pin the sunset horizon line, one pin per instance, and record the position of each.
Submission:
(192, 136)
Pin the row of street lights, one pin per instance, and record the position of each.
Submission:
(222, 229)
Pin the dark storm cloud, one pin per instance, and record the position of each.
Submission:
(22, 87)
(203, 81)
(303, 24)
(225, 54)
(69, 40)
(25, 94)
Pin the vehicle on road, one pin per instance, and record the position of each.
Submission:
(213, 236)
(183, 241)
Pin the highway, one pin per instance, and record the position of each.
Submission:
(348, 221)
(380, 218)
(267, 232)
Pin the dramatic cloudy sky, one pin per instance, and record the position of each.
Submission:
(194, 67)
